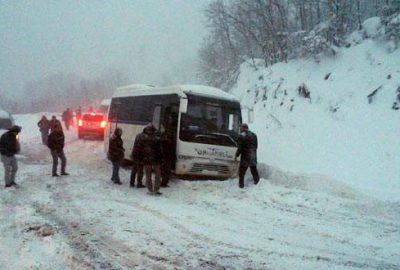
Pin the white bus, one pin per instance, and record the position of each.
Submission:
(204, 122)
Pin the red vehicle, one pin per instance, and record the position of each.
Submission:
(91, 124)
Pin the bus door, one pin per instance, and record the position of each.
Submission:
(168, 128)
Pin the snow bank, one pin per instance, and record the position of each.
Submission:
(307, 182)
(336, 132)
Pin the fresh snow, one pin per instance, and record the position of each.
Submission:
(338, 133)
(180, 90)
(287, 221)
(371, 26)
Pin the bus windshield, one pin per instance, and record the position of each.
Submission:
(211, 121)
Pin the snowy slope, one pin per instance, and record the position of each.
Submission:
(287, 221)
(337, 133)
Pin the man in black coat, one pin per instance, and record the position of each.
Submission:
(116, 154)
(148, 149)
(247, 150)
(67, 118)
(137, 167)
(169, 156)
(56, 142)
(9, 146)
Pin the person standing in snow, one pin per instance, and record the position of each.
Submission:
(67, 118)
(168, 143)
(115, 154)
(247, 150)
(137, 167)
(44, 127)
(56, 143)
(169, 156)
(148, 149)
(9, 146)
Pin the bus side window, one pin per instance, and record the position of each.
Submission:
(233, 123)
(157, 116)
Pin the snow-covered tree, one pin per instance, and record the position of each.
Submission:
(276, 30)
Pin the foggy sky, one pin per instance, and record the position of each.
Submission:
(146, 38)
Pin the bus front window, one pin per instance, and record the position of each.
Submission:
(211, 121)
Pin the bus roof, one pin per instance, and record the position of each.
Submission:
(180, 90)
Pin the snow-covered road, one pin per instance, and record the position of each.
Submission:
(286, 222)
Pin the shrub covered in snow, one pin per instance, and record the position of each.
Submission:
(392, 30)
(314, 43)
(371, 27)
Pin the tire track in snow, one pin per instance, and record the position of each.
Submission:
(361, 262)
(99, 249)
(344, 261)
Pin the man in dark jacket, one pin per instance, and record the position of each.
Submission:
(67, 118)
(9, 146)
(44, 127)
(116, 154)
(137, 167)
(247, 150)
(148, 149)
(56, 142)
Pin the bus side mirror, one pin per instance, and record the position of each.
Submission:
(250, 116)
(183, 106)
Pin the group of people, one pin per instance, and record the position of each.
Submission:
(52, 136)
(46, 126)
(151, 152)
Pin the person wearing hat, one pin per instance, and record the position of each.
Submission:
(247, 150)
(115, 154)
(9, 146)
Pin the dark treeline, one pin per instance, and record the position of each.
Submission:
(57, 92)
(278, 30)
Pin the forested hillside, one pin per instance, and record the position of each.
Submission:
(280, 30)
